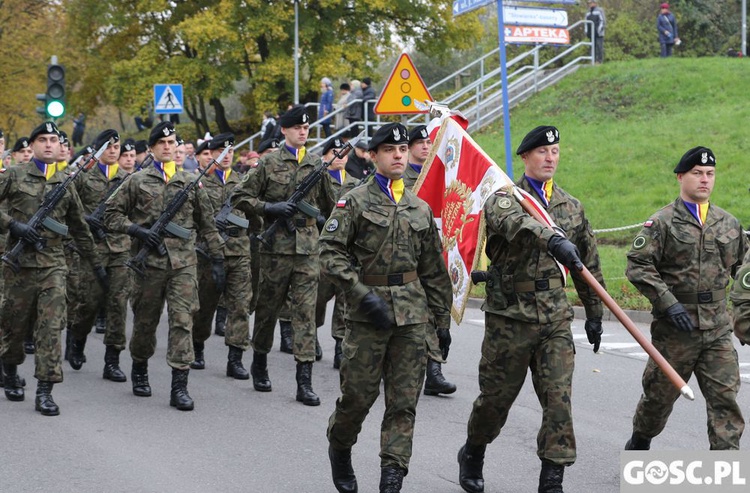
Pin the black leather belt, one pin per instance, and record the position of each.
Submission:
(397, 279)
(537, 285)
(701, 297)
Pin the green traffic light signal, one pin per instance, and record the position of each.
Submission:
(55, 96)
(55, 108)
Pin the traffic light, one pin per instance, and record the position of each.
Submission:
(55, 96)
(42, 110)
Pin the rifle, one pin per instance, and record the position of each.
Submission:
(225, 218)
(95, 219)
(302, 189)
(164, 223)
(41, 218)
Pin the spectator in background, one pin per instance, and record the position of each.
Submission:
(666, 24)
(344, 90)
(326, 104)
(267, 126)
(368, 103)
(596, 32)
(354, 110)
(191, 164)
(359, 164)
(79, 126)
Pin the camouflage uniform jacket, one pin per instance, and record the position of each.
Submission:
(274, 180)
(237, 243)
(143, 198)
(92, 188)
(674, 254)
(517, 249)
(410, 177)
(341, 189)
(22, 189)
(386, 238)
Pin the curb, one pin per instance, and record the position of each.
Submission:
(637, 316)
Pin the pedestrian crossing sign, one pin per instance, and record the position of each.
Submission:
(168, 99)
(403, 87)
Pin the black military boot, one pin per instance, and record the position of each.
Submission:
(76, 357)
(318, 349)
(391, 479)
(112, 369)
(28, 344)
(305, 393)
(638, 442)
(139, 376)
(221, 321)
(199, 363)
(259, 371)
(435, 383)
(100, 325)
(44, 403)
(12, 383)
(180, 397)
(341, 469)
(286, 336)
(551, 478)
(234, 364)
(337, 354)
(470, 464)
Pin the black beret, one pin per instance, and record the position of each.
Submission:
(21, 143)
(334, 143)
(46, 128)
(697, 156)
(127, 146)
(85, 150)
(163, 129)
(63, 138)
(202, 147)
(140, 146)
(544, 135)
(268, 144)
(221, 141)
(295, 116)
(392, 133)
(110, 135)
(418, 133)
(180, 140)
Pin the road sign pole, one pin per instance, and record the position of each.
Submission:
(504, 82)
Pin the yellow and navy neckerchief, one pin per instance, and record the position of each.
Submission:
(47, 169)
(222, 175)
(167, 169)
(299, 154)
(109, 172)
(416, 167)
(61, 165)
(394, 189)
(338, 174)
(542, 189)
(699, 211)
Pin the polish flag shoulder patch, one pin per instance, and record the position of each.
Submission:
(341, 203)
(648, 223)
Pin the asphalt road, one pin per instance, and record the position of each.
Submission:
(239, 440)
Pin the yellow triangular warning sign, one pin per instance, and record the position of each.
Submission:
(403, 87)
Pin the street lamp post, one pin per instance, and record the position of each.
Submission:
(296, 51)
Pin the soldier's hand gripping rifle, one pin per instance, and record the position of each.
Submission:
(225, 220)
(164, 223)
(95, 218)
(41, 218)
(303, 188)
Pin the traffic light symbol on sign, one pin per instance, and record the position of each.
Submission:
(55, 96)
(403, 87)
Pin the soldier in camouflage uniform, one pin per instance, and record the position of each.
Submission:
(381, 247)
(342, 183)
(21, 151)
(528, 316)
(219, 185)
(35, 295)
(290, 263)
(682, 261)
(435, 383)
(172, 276)
(114, 249)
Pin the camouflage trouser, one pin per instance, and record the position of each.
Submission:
(326, 291)
(282, 275)
(179, 288)
(709, 354)
(236, 298)
(34, 302)
(509, 350)
(286, 310)
(114, 302)
(397, 356)
(255, 272)
(73, 280)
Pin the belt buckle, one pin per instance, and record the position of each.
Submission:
(541, 285)
(395, 279)
(705, 297)
(233, 232)
(300, 222)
